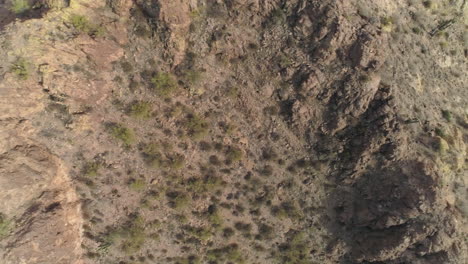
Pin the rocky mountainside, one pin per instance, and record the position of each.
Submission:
(236, 131)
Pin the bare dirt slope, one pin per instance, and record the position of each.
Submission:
(242, 131)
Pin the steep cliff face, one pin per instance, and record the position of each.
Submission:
(242, 131)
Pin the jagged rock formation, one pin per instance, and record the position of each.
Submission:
(236, 131)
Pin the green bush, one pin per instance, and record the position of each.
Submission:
(164, 84)
(197, 127)
(126, 66)
(192, 77)
(228, 232)
(5, 226)
(265, 232)
(152, 155)
(91, 169)
(187, 260)
(177, 199)
(137, 184)
(230, 254)
(447, 115)
(140, 110)
(286, 209)
(234, 154)
(243, 227)
(20, 69)
(206, 184)
(199, 233)
(176, 161)
(295, 250)
(130, 237)
(19, 6)
(124, 134)
(82, 25)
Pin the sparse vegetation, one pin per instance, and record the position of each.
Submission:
(137, 184)
(386, 24)
(152, 155)
(140, 110)
(429, 4)
(208, 183)
(286, 209)
(124, 134)
(230, 253)
(126, 66)
(234, 154)
(20, 69)
(228, 232)
(164, 84)
(199, 233)
(176, 161)
(447, 115)
(197, 127)
(91, 169)
(177, 199)
(83, 25)
(19, 6)
(188, 260)
(295, 250)
(130, 237)
(5, 226)
(192, 77)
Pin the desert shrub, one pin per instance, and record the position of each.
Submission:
(91, 169)
(265, 232)
(295, 250)
(447, 115)
(5, 226)
(278, 16)
(200, 233)
(152, 156)
(187, 260)
(386, 23)
(243, 227)
(140, 110)
(126, 66)
(196, 126)
(234, 154)
(228, 232)
(19, 6)
(441, 145)
(428, 4)
(417, 30)
(232, 92)
(271, 110)
(214, 160)
(192, 77)
(214, 217)
(267, 170)
(130, 237)
(164, 84)
(143, 32)
(229, 253)
(229, 129)
(205, 184)
(21, 69)
(177, 199)
(137, 184)
(286, 209)
(82, 25)
(124, 134)
(205, 146)
(269, 154)
(176, 161)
